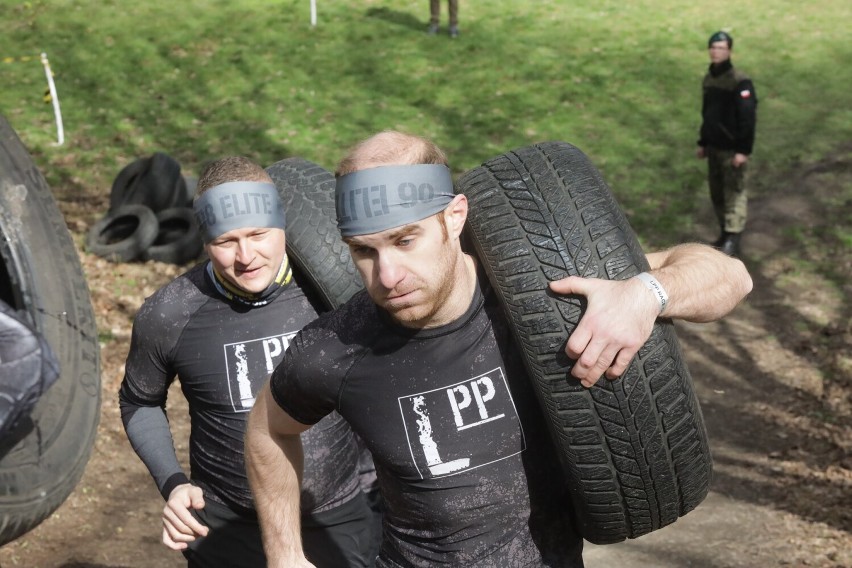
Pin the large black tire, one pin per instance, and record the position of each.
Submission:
(634, 450)
(313, 241)
(40, 273)
(155, 182)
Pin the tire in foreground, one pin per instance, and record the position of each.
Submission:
(41, 276)
(634, 450)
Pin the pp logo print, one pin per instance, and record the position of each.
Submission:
(247, 365)
(462, 426)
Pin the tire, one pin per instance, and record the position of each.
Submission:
(41, 275)
(123, 182)
(155, 182)
(178, 238)
(189, 185)
(634, 450)
(313, 241)
(124, 234)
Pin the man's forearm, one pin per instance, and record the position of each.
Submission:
(702, 283)
(147, 429)
(274, 466)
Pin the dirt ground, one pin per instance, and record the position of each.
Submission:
(774, 380)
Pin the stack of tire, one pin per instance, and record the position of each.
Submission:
(150, 215)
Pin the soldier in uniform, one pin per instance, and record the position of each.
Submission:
(729, 117)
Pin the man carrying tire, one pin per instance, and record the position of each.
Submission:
(221, 328)
(422, 365)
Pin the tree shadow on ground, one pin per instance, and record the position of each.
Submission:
(404, 19)
(764, 374)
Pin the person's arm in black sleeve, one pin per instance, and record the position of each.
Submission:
(701, 141)
(142, 396)
(746, 101)
(701, 148)
(142, 400)
(147, 428)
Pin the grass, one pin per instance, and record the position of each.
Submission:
(619, 80)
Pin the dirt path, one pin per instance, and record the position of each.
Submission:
(774, 384)
(773, 380)
(778, 498)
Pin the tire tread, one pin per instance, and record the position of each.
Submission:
(634, 450)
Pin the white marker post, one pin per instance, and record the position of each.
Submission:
(60, 132)
(313, 12)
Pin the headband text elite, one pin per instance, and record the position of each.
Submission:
(237, 205)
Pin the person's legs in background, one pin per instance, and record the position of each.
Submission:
(454, 18)
(729, 198)
(434, 16)
(736, 208)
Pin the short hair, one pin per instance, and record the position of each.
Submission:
(390, 148)
(228, 169)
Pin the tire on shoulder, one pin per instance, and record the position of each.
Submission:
(41, 276)
(634, 450)
(313, 242)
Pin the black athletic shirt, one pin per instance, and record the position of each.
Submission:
(222, 352)
(464, 461)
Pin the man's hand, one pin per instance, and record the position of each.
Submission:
(618, 320)
(700, 153)
(739, 159)
(179, 526)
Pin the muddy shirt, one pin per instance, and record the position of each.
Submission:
(222, 352)
(464, 462)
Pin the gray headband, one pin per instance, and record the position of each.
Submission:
(376, 199)
(237, 205)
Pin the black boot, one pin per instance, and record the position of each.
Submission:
(731, 244)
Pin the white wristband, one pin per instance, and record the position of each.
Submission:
(654, 286)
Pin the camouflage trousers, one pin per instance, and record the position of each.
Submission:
(727, 190)
(435, 11)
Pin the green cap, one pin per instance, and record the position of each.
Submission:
(721, 36)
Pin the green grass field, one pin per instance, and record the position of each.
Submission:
(620, 80)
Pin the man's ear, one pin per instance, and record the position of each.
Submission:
(455, 215)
